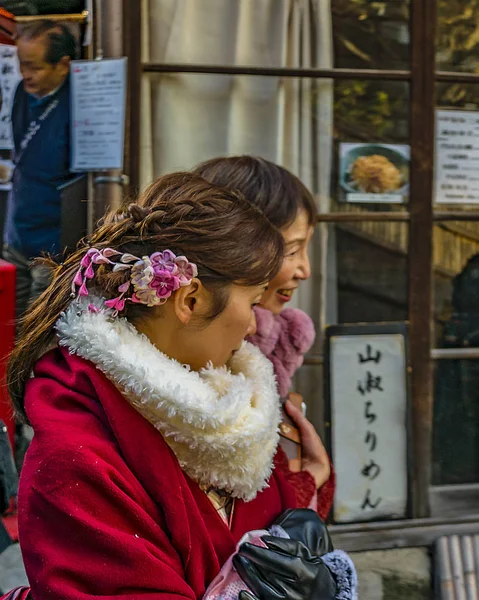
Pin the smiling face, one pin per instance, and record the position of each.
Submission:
(295, 267)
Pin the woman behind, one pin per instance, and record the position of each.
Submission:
(155, 425)
(283, 334)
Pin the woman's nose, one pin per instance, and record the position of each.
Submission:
(303, 270)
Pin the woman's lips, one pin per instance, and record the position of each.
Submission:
(285, 295)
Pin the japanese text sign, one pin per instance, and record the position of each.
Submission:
(368, 399)
(98, 97)
(457, 157)
(9, 78)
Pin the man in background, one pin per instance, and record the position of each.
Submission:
(41, 132)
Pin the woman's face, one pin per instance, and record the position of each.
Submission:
(184, 332)
(223, 336)
(295, 265)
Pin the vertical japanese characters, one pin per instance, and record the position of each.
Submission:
(368, 387)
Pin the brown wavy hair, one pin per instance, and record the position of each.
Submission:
(228, 239)
(278, 193)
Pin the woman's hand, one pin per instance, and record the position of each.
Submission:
(315, 459)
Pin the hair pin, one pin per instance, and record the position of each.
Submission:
(152, 279)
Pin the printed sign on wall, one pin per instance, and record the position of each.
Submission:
(457, 157)
(9, 78)
(98, 97)
(368, 412)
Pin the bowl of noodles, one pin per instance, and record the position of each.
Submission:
(374, 169)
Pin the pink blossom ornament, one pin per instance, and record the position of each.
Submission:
(186, 270)
(164, 260)
(117, 304)
(165, 283)
(78, 280)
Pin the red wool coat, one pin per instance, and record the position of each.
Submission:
(105, 509)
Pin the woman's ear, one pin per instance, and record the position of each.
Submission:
(190, 301)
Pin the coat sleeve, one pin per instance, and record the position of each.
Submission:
(89, 532)
(305, 487)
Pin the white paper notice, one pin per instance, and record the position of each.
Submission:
(98, 96)
(9, 78)
(369, 433)
(457, 157)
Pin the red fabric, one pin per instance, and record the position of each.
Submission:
(305, 486)
(326, 495)
(11, 525)
(10, 520)
(104, 508)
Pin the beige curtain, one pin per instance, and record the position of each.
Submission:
(188, 118)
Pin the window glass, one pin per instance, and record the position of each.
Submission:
(266, 33)
(371, 272)
(371, 35)
(371, 152)
(189, 118)
(279, 33)
(457, 40)
(456, 320)
(329, 134)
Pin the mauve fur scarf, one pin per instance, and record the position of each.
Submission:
(284, 339)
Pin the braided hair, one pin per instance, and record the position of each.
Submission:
(228, 239)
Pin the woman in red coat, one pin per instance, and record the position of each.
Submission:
(284, 334)
(155, 424)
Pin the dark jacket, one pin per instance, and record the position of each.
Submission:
(34, 204)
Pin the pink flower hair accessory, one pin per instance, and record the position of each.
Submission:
(152, 279)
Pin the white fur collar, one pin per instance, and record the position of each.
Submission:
(220, 423)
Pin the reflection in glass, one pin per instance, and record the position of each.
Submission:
(371, 111)
(371, 35)
(457, 45)
(371, 272)
(454, 243)
(456, 318)
(456, 417)
(458, 95)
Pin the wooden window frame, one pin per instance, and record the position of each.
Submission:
(420, 214)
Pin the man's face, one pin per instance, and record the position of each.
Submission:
(39, 76)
